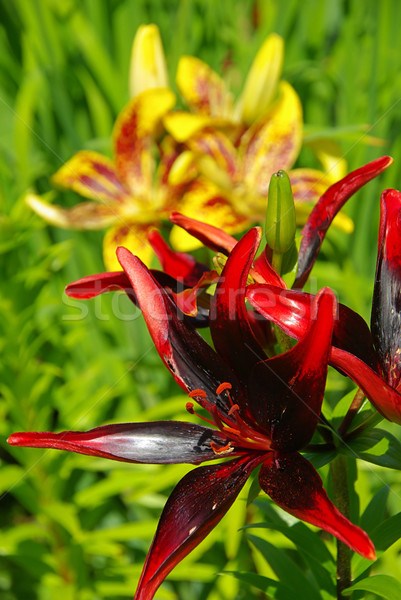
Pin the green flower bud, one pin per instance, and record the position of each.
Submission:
(280, 215)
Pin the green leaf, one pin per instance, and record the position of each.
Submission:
(384, 448)
(388, 588)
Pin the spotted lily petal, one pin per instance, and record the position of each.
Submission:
(189, 358)
(133, 132)
(261, 82)
(203, 90)
(183, 125)
(292, 483)
(274, 142)
(386, 306)
(216, 157)
(194, 508)
(287, 390)
(130, 234)
(93, 176)
(157, 442)
(86, 215)
(205, 201)
(331, 157)
(148, 67)
(325, 210)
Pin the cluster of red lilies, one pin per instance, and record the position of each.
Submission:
(261, 407)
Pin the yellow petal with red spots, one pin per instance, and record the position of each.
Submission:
(133, 138)
(130, 235)
(148, 67)
(86, 215)
(216, 157)
(261, 83)
(307, 186)
(203, 90)
(205, 202)
(92, 175)
(274, 142)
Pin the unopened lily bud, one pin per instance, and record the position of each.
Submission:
(280, 215)
(148, 64)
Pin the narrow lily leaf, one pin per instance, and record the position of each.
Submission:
(157, 442)
(292, 482)
(231, 333)
(291, 310)
(194, 508)
(93, 176)
(203, 90)
(214, 238)
(386, 306)
(133, 131)
(386, 587)
(384, 398)
(325, 210)
(85, 215)
(287, 390)
(193, 363)
(177, 264)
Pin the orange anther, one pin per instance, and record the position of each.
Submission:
(222, 450)
(223, 386)
(234, 408)
(190, 408)
(197, 394)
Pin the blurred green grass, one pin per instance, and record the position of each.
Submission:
(78, 526)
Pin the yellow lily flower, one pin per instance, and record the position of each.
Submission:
(239, 173)
(131, 194)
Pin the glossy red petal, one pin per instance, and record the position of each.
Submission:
(193, 363)
(326, 209)
(384, 398)
(231, 333)
(157, 442)
(264, 268)
(287, 390)
(386, 306)
(212, 237)
(179, 265)
(291, 310)
(93, 285)
(194, 508)
(293, 484)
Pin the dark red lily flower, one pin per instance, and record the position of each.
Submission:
(262, 412)
(371, 360)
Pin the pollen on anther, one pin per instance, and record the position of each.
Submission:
(234, 408)
(224, 386)
(190, 408)
(197, 394)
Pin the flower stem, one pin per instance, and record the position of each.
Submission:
(353, 409)
(338, 471)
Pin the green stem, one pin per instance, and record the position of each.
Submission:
(338, 471)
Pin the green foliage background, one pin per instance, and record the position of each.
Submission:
(77, 526)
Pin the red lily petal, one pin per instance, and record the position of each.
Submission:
(177, 264)
(231, 333)
(326, 209)
(386, 306)
(158, 442)
(193, 363)
(194, 508)
(292, 483)
(212, 237)
(384, 398)
(187, 300)
(264, 268)
(287, 390)
(291, 310)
